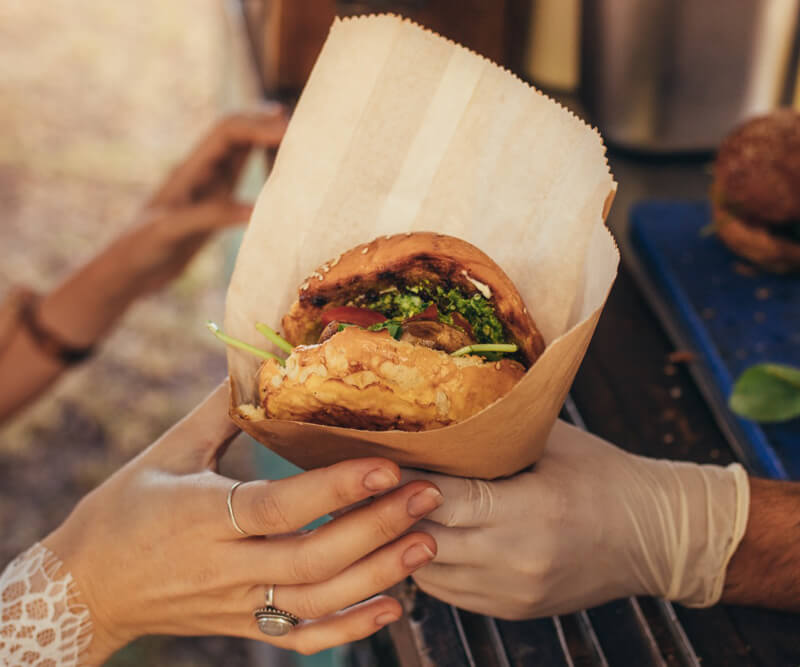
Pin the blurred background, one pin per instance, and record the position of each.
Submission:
(98, 100)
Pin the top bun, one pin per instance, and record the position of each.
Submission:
(408, 259)
(757, 170)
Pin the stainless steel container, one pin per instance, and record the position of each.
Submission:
(678, 75)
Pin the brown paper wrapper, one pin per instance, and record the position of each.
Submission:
(401, 130)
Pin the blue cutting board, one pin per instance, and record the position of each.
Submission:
(730, 316)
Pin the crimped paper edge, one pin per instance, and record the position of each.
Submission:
(505, 70)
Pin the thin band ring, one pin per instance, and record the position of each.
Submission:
(235, 523)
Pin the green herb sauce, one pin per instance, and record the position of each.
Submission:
(409, 301)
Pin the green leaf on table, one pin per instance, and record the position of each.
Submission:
(767, 393)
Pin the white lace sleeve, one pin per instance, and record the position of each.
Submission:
(41, 625)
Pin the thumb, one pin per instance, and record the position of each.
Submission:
(199, 439)
(467, 502)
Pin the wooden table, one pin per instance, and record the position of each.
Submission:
(628, 392)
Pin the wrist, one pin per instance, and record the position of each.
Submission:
(763, 569)
(694, 517)
(44, 618)
(67, 545)
(84, 307)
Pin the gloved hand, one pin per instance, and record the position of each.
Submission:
(587, 524)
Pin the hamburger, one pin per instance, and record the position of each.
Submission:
(411, 332)
(756, 191)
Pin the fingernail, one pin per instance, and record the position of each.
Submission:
(380, 479)
(425, 501)
(385, 618)
(417, 555)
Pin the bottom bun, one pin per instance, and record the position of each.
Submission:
(368, 380)
(758, 244)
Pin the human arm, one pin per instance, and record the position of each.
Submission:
(196, 200)
(765, 569)
(153, 551)
(590, 523)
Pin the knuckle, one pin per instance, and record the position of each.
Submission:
(310, 565)
(345, 490)
(380, 579)
(270, 514)
(204, 578)
(325, 568)
(301, 567)
(481, 499)
(385, 526)
(309, 606)
(535, 571)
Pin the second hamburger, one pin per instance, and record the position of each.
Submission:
(756, 191)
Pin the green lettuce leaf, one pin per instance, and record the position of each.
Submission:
(767, 393)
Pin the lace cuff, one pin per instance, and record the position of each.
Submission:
(41, 623)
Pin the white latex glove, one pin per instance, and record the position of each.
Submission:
(588, 524)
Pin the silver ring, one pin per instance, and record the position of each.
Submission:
(272, 621)
(230, 509)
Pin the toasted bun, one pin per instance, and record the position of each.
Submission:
(757, 170)
(369, 380)
(408, 259)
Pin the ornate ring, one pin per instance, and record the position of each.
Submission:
(236, 525)
(273, 621)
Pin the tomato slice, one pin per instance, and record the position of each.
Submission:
(362, 317)
(430, 313)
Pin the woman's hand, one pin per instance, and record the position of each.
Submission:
(153, 550)
(587, 524)
(197, 198)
